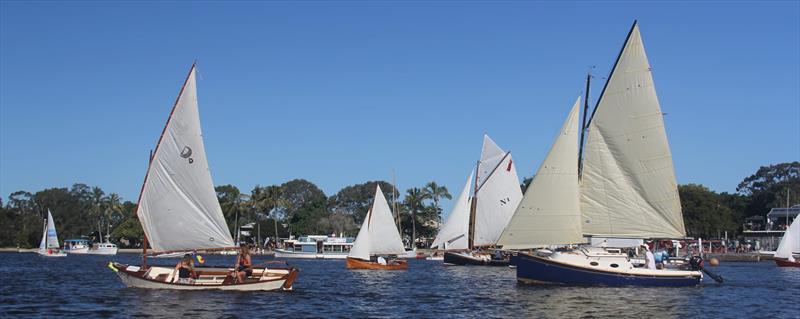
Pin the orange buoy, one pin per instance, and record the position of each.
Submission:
(713, 262)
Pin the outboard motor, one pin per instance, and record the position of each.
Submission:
(696, 263)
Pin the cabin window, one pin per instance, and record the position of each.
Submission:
(594, 263)
(614, 265)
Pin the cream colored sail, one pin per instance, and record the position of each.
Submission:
(453, 234)
(628, 186)
(790, 243)
(496, 200)
(178, 206)
(378, 234)
(549, 213)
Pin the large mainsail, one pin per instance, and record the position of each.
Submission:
(790, 243)
(378, 234)
(178, 207)
(497, 195)
(52, 236)
(628, 186)
(549, 213)
(453, 234)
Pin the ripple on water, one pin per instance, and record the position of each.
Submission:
(82, 286)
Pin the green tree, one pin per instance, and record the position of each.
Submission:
(434, 192)
(768, 187)
(304, 204)
(414, 202)
(704, 211)
(355, 200)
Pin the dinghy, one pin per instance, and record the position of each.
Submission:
(625, 188)
(789, 246)
(179, 211)
(49, 247)
(474, 225)
(378, 237)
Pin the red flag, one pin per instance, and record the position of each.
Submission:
(508, 169)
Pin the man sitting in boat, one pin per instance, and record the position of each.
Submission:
(244, 264)
(185, 269)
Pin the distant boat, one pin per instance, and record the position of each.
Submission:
(476, 222)
(49, 246)
(316, 247)
(76, 246)
(789, 246)
(378, 237)
(626, 189)
(179, 210)
(104, 247)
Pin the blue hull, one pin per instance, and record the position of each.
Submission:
(531, 269)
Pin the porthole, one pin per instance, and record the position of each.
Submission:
(614, 265)
(594, 263)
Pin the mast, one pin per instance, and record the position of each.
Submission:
(583, 124)
(472, 209)
(150, 162)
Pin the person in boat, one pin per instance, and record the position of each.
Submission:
(649, 259)
(244, 264)
(185, 270)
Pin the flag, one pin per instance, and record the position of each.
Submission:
(200, 259)
(508, 169)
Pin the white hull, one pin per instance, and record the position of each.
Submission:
(280, 253)
(103, 251)
(78, 251)
(210, 279)
(437, 258)
(53, 254)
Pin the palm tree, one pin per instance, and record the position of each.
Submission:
(112, 209)
(268, 199)
(434, 192)
(414, 201)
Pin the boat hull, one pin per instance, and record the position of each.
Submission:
(278, 279)
(542, 270)
(353, 263)
(466, 259)
(77, 251)
(280, 253)
(51, 254)
(103, 251)
(782, 262)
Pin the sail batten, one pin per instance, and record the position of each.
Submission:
(178, 207)
(549, 212)
(628, 185)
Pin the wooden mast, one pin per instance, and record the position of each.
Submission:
(472, 209)
(150, 163)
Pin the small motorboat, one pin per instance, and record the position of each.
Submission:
(76, 246)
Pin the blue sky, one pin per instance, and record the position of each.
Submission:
(343, 92)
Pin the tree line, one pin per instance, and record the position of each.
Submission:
(299, 207)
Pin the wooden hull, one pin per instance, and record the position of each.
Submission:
(353, 263)
(271, 279)
(466, 259)
(781, 262)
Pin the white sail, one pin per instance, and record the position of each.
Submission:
(454, 233)
(52, 236)
(790, 243)
(43, 243)
(491, 155)
(497, 199)
(628, 186)
(378, 234)
(549, 213)
(178, 207)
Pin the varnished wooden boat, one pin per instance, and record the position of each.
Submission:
(157, 277)
(782, 262)
(355, 263)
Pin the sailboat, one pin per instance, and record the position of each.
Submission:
(179, 210)
(789, 246)
(476, 223)
(625, 188)
(377, 237)
(49, 247)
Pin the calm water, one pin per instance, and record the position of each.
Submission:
(82, 286)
